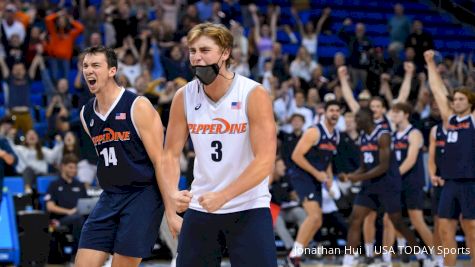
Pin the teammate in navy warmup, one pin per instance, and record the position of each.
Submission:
(313, 156)
(231, 124)
(458, 167)
(128, 136)
(381, 182)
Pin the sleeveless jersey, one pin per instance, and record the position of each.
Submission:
(440, 139)
(384, 123)
(459, 160)
(321, 153)
(220, 135)
(123, 163)
(415, 176)
(369, 149)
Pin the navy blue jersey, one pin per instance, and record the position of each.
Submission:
(321, 154)
(415, 176)
(123, 163)
(369, 151)
(459, 161)
(384, 123)
(440, 139)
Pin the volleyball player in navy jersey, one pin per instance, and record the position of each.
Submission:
(381, 182)
(128, 136)
(312, 156)
(379, 109)
(408, 142)
(437, 139)
(458, 166)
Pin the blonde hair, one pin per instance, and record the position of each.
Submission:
(221, 35)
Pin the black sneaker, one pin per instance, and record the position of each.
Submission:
(293, 262)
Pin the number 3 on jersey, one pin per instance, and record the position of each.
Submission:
(109, 156)
(219, 153)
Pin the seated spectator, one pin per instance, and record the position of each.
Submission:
(63, 195)
(284, 195)
(33, 159)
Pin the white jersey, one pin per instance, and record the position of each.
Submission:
(220, 135)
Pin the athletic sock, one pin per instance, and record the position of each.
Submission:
(369, 249)
(297, 250)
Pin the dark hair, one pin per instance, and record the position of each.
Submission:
(404, 107)
(109, 53)
(332, 103)
(69, 158)
(366, 112)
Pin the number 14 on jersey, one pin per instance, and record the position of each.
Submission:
(109, 156)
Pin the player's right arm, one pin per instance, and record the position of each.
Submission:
(346, 89)
(176, 136)
(305, 143)
(437, 86)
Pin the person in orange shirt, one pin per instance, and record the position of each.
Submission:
(63, 31)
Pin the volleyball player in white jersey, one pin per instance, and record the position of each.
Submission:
(230, 121)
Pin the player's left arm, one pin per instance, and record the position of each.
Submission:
(263, 137)
(415, 143)
(150, 129)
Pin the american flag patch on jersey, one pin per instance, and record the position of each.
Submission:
(120, 116)
(235, 105)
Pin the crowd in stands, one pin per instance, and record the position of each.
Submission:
(43, 89)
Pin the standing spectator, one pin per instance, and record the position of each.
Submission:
(170, 12)
(360, 47)
(264, 36)
(309, 32)
(124, 23)
(420, 41)
(91, 19)
(19, 92)
(63, 31)
(11, 25)
(399, 28)
(129, 61)
(240, 40)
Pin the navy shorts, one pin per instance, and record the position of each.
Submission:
(390, 202)
(248, 235)
(457, 198)
(435, 200)
(412, 198)
(127, 224)
(306, 186)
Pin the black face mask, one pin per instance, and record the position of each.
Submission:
(206, 74)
